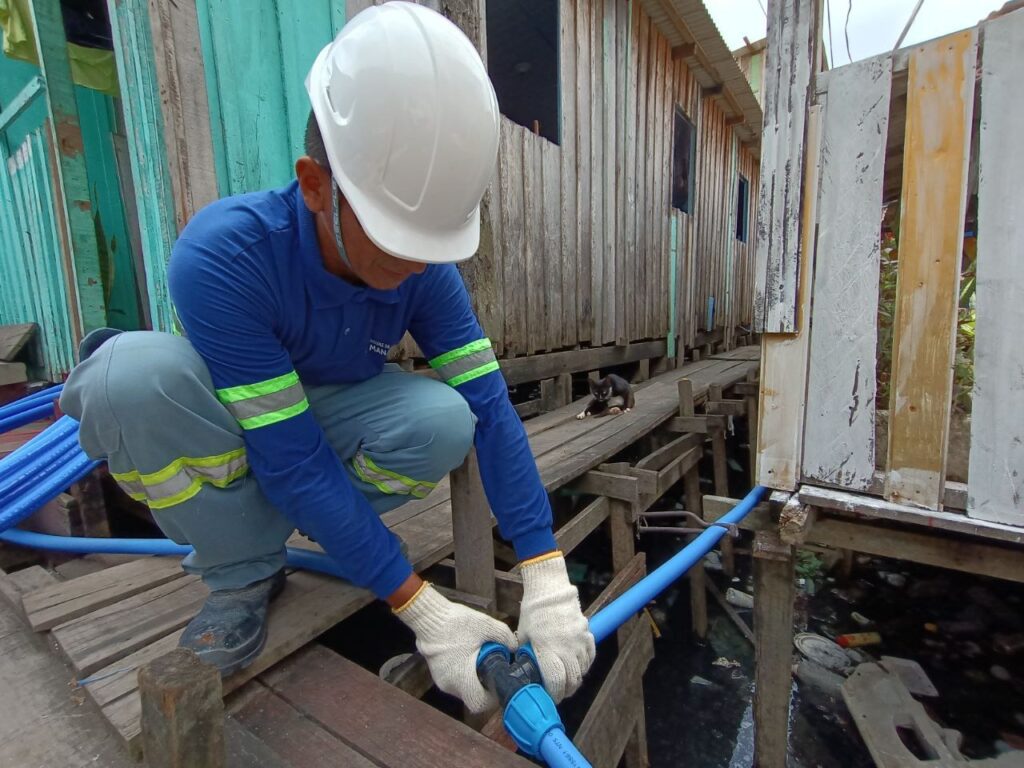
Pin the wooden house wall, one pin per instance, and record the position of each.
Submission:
(582, 230)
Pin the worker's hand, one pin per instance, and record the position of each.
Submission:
(550, 620)
(450, 637)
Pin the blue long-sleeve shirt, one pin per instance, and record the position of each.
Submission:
(249, 285)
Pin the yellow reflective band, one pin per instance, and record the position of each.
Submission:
(194, 488)
(247, 391)
(474, 346)
(176, 466)
(476, 373)
(183, 478)
(275, 416)
(386, 481)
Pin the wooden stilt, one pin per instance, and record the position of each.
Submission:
(471, 526)
(752, 427)
(721, 468)
(691, 486)
(774, 572)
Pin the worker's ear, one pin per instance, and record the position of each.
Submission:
(315, 183)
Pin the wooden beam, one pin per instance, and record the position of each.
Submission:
(21, 102)
(712, 90)
(182, 712)
(720, 460)
(66, 132)
(796, 521)
(471, 527)
(735, 408)
(411, 676)
(520, 370)
(603, 734)
(598, 483)
(684, 51)
(706, 424)
(729, 611)
(696, 576)
(774, 591)
(569, 536)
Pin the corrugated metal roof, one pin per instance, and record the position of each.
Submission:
(686, 22)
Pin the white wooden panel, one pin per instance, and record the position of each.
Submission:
(995, 490)
(792, 42)
(839, 432)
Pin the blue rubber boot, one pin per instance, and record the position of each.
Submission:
(231, 629)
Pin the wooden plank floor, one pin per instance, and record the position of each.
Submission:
(109, 623)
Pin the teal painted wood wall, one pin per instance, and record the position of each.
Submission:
(256, 55)
(35, 280)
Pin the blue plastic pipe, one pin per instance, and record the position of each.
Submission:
(26, 416)
(304, 559)
(43, 395)
(616, 613)
(17, 480)
(558, 751)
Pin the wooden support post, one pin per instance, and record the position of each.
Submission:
(721, 464)
(66, 132)
(685, 387)
(471, 526)
(620, 529)
(548, 395)
(752, 427)
(563, 389)
(698, 590)
(774, 572)
(182, 712)
(643, 372)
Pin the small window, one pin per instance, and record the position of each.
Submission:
(522, 60)
(742, 209)
(684, 150)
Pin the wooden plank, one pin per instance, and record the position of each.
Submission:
(784, 358)
(533, 242)
(510, 180)
(774, 590)
(618, 487)
(866, 506)
(996, 478)
(471, 528)
(288, 732)
(551, 188)
(598, 109)
(569, 219)
(57, 604)
(635, 268)
(609, 298)
(603, 734)
(584, 164)
(839, 436)
(41, 721)
(625, 577)
(378, 720)
(940, 105)
(570, 535)
(66, 133)
(793, 36)
(620, 31)
(110, 633)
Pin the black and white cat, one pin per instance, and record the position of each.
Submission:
(612, 395)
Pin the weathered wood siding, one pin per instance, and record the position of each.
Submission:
(583, 229)
(818, 392)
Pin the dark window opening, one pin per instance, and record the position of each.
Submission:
(684, 151)
(742, 209)
(522, 60)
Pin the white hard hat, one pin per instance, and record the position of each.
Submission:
(410, 123)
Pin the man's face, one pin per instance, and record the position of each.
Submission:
(370, 265)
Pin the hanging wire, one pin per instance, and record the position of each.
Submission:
(763, 10)
(846, 31)
(828, 14)
(910, 22)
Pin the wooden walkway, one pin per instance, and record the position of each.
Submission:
(109, 623)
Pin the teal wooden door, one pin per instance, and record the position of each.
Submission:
(256, 54)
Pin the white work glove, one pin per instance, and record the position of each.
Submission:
(449, 636)
(550, 620)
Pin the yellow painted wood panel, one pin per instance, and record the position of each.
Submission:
(940, 104)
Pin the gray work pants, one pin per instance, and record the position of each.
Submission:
(147, 406)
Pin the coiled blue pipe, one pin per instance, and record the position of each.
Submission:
(48, 395)
(297, 558)
(26, 416)
(17, 479)
(616, 613)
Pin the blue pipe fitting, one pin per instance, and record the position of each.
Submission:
(529, 718)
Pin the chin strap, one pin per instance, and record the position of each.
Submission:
(336, 214)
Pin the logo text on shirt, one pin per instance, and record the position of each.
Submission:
(379, 347)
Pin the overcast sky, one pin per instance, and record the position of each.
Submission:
(874, 24)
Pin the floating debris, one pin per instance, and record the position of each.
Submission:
(1000, 673)
(698, 680)
(857, 639)
(860, 618)
(739, 599)
(822, 651)
(721, 661)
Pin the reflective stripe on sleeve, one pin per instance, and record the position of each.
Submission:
(386, 481)
(183, 478)
(265, 402)
(466, 363)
